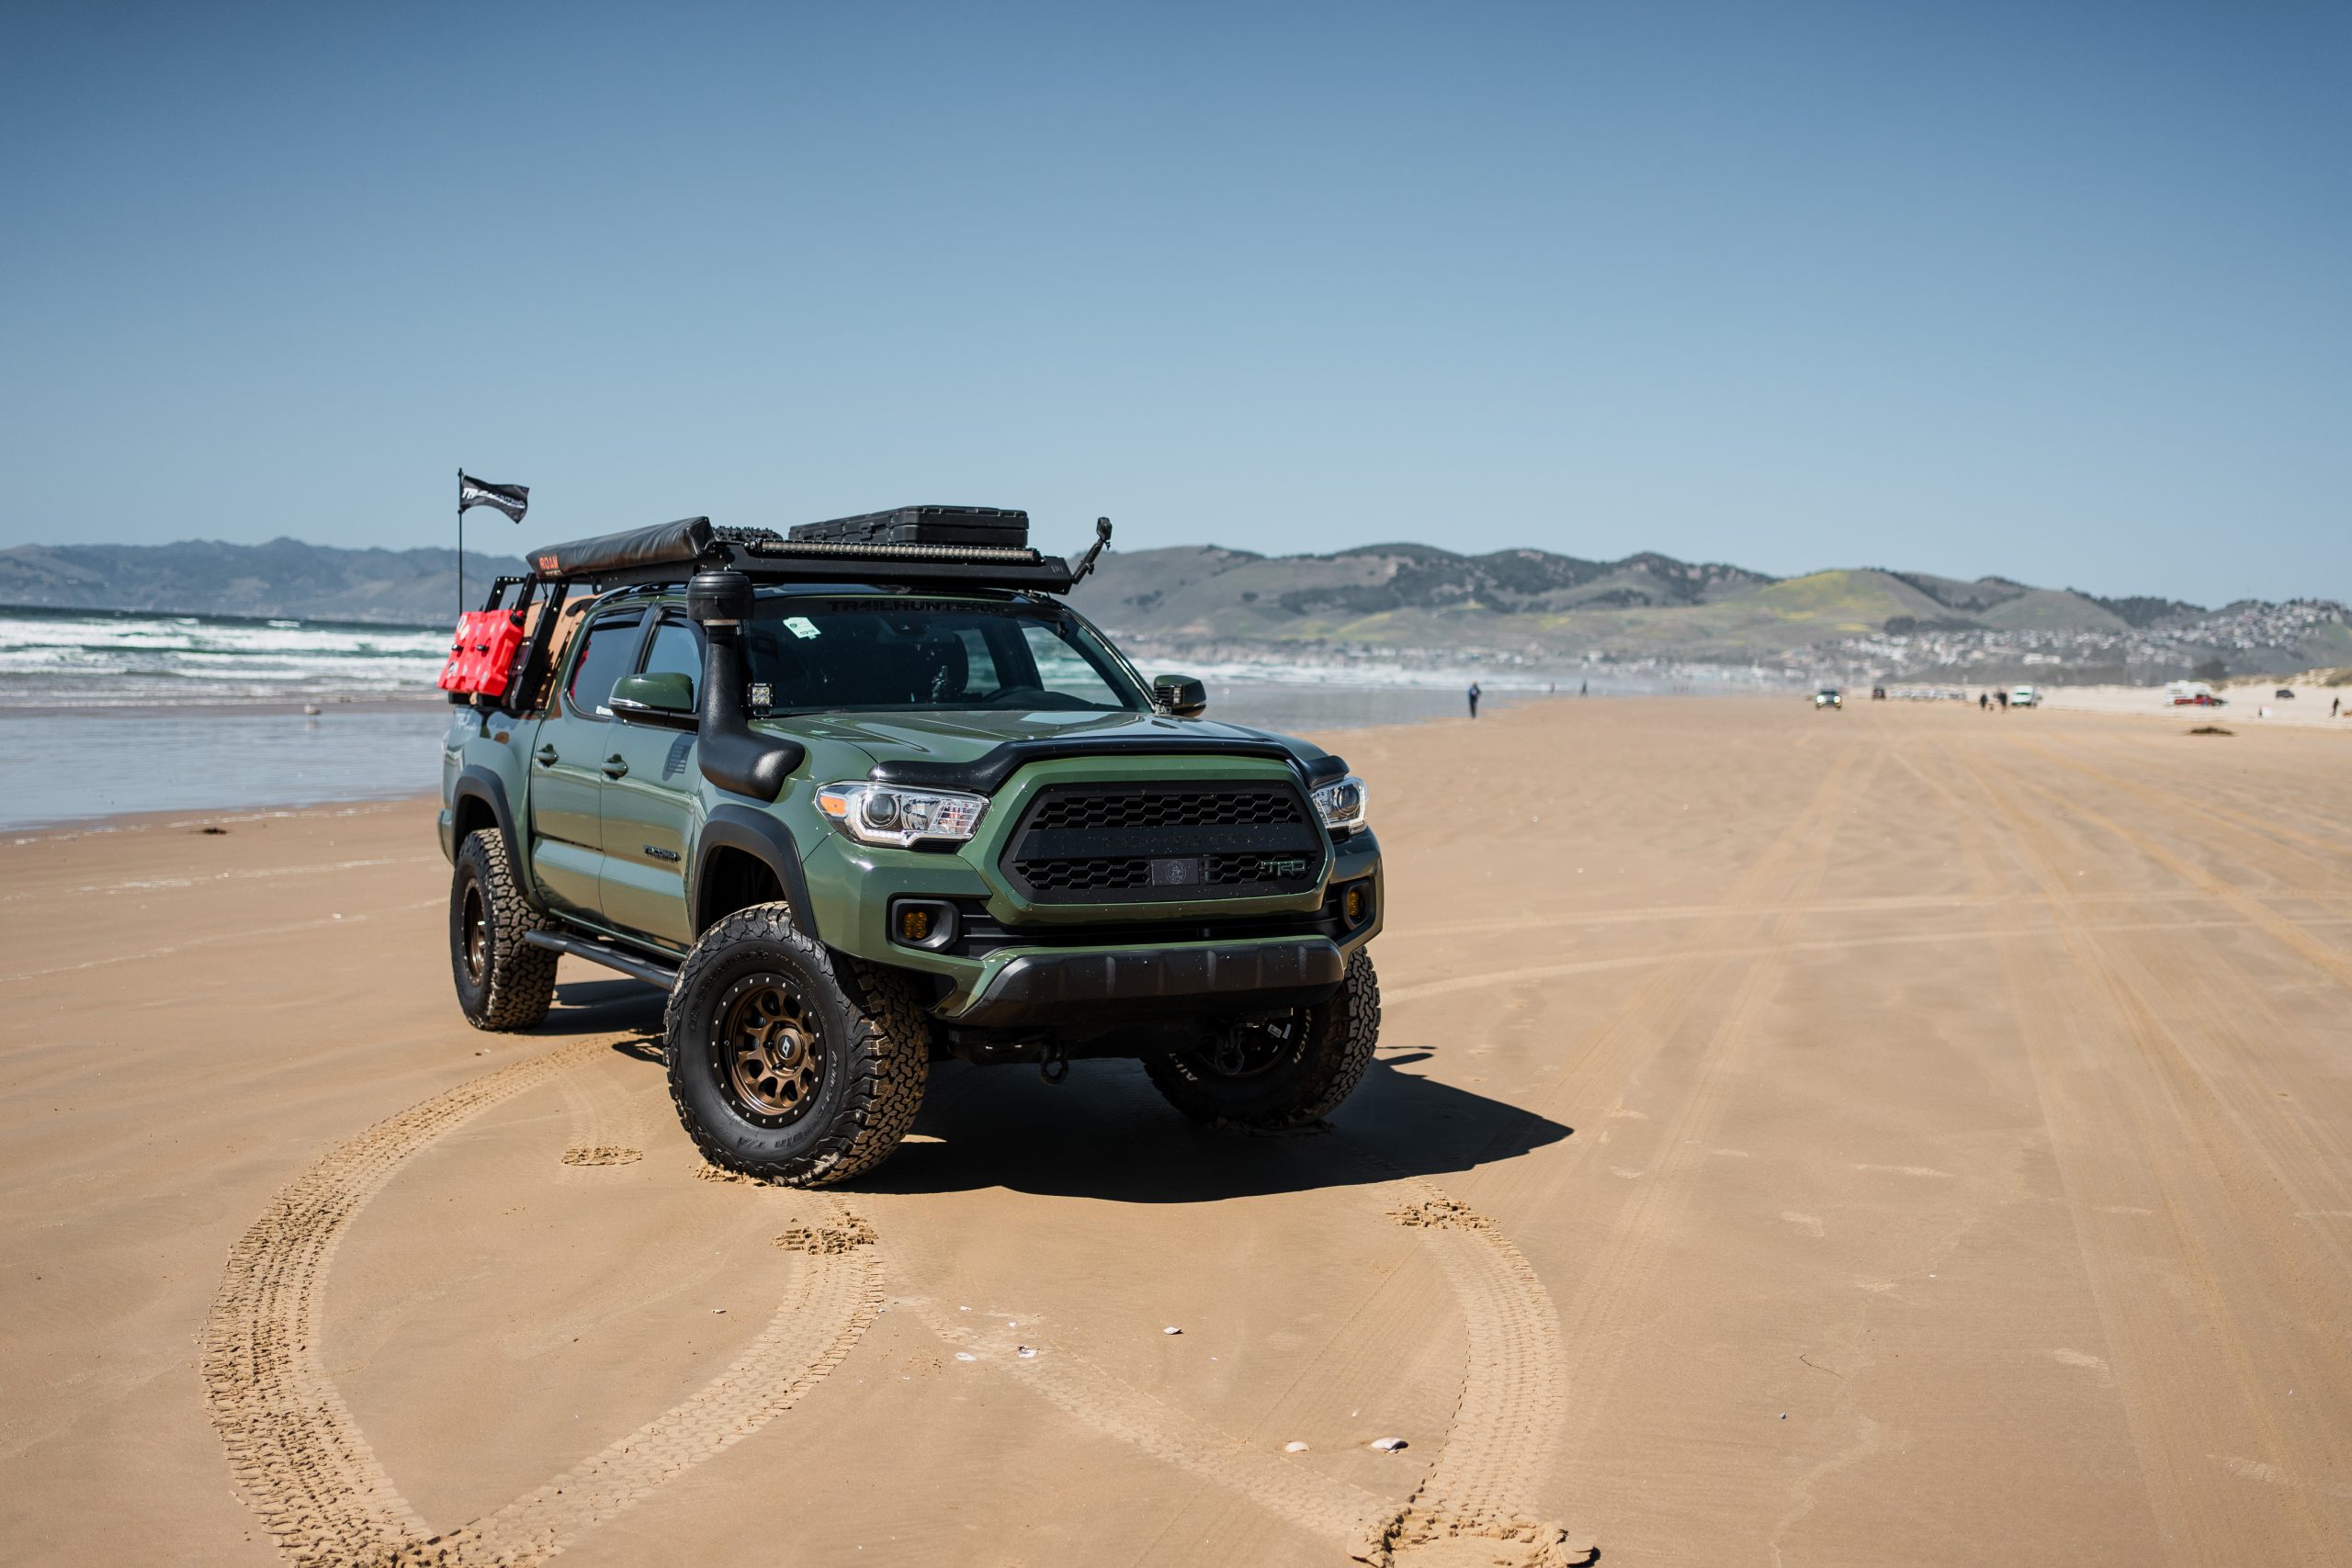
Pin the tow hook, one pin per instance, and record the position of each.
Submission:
(1052, 1065)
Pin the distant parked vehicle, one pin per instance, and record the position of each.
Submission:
(1878, 694)
(1828, 698)
(2025, 697)
(2193, 695)
(2287, 692)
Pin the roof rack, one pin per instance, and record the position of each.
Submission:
(672, 551)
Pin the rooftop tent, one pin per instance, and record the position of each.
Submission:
(679, 544)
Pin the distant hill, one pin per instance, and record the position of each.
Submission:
(284, 577)
(1537, 604)
(1409, 602)
(1417, 602)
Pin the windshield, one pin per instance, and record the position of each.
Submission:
(875, 651)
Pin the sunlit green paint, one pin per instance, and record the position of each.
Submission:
(663, 802)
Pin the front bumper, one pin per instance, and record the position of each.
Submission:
(1093, 987)
(851, 887)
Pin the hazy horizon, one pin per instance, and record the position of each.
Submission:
(493, 549)
(2002, 291)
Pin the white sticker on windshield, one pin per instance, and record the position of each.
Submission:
(800, 626)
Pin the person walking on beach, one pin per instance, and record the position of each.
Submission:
(1474, 699)
(2002, 699)
(2333, 704)
(1983, 701)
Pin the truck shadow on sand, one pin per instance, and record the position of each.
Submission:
(1105, 1133)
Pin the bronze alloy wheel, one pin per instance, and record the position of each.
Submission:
(768, 1050)
(475, 918)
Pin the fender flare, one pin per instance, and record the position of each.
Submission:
(765, 839)
(478, 782)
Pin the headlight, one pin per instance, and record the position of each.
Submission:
(1343, 804)
(881, 814)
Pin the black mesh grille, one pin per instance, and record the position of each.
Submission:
(1133, 843)
(1222, 808)
(1087, 875)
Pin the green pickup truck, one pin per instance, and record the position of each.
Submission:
(873, 795)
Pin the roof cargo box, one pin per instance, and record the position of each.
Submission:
(922, 526)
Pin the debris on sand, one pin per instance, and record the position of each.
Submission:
(1441, 1213)
(1294, 1448)
(2211, 729)
(1027, 1352)
(1417, 1537)
(1171, 1328)
(828, 1240)
(1388, 1445)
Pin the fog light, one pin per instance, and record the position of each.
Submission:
(927, 923)
(1355, 906)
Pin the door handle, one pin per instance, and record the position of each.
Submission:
(616, 765)
(546, 754)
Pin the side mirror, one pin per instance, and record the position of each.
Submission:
(1179, 695)
(667, 698)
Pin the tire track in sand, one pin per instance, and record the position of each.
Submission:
(1511, 1427)
(2330, 960)
(1336, 1510)
(2140, 1126)
(609, 1124)
(1514, 1403)
(1643, 1030)
(300, 1457)
(1477, 1494)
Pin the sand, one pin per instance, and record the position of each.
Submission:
(2255, 702)
(1887, 1136)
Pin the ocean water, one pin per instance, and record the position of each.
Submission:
(78, 660)
(63, 767)
(105, 712)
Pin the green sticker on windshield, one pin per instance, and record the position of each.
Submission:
(800, 626)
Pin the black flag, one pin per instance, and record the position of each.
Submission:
(513, 500)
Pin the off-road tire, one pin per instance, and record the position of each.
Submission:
(871, 1026)
(1329, 1059)
(515, 981)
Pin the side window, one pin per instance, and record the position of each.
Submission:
(676, 650)
(605, 650)
(1061, 669)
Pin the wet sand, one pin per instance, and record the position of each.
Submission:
(1887, 1136)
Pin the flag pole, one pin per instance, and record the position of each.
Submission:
(461, 544)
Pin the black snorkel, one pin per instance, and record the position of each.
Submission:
(732, 757)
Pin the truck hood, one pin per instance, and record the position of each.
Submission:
(968, 735)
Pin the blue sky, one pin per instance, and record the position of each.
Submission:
(2054, 291)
